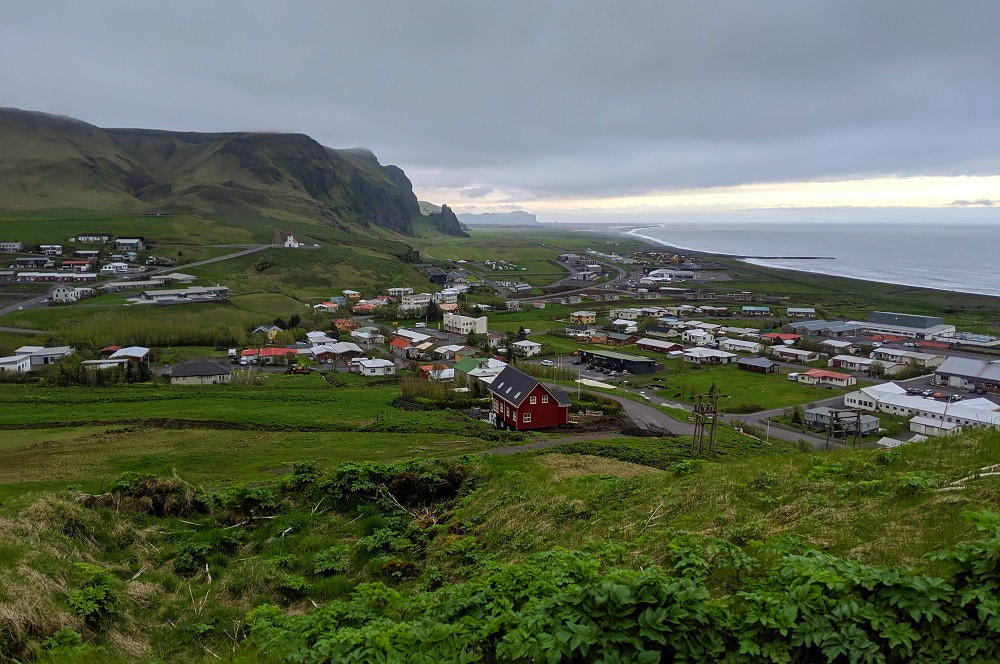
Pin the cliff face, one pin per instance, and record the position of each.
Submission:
(55, 162)
(446, 222)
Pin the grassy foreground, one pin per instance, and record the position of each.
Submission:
(333, 561)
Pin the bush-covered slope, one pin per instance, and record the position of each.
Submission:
(788, 558)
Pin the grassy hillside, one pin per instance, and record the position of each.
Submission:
(57, 163)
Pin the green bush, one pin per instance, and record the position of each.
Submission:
(331, 561)
(95, 599)
(784, 604)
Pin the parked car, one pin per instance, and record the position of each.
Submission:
(955, 397)
(928, 393)
(420, 324)
(910, 344)
(915, 391)
(793, 376)
(547, 363)
(876, 344)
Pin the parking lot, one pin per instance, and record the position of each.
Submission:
(924, 383)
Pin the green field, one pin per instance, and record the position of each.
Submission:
(741, 388)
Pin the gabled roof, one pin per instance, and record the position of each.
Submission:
(400, 342)
(201, 368)
(756, 362)
(513, 386)
(823, 373)
(137, 352)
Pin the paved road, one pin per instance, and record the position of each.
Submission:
(20, 330)
(30, 303)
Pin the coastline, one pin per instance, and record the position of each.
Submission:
(757, 261)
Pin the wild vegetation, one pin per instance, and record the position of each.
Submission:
(761, 554)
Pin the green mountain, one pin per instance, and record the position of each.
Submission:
(57, 162)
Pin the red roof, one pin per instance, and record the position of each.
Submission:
(276, 352)
(400, 342)
(823, 373)
(249, 352)
(110, 349)
(781, 335)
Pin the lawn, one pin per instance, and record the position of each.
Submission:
(37, 459)
(51, 436)
(745, 391)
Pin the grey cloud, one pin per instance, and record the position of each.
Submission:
(475, 192)
(559, 98)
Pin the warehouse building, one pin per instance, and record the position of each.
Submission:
(967, 373)
(906, 325)
(618, 361)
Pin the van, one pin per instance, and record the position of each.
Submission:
(793, 376)
(420, 325)
(527, 330)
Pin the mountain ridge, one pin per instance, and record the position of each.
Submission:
(55, 161)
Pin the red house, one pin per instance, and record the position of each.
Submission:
(522, 402)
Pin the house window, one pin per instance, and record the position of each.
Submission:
(534, 400)
(545, 398)
(526, 418)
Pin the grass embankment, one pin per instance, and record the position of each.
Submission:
(187, 574)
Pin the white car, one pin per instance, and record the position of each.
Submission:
(793, 376)
(546, 363)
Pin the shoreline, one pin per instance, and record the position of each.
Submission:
(750, 260)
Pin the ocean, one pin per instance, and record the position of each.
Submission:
(956, 257)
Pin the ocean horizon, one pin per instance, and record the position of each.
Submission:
(953, 257)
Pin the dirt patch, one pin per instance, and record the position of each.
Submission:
(573, 465)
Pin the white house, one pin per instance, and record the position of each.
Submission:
(739, 345)
(922, 360)
(793, 354)
(63, 294)
(626, 314)
(131, 353)
(708, 356)
(527, 348)
(698, 337)
(458, 324)
(625, 326)
(446, 296)
(399, 292)
(40, 355)
(824, 377)
(115, 268)
(413, 301)
(129, 244)
(15, 364)
(375, 367)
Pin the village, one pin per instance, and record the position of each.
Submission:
(522, 357)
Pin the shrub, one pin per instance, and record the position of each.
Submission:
(95, 599)
(331, 561)
(191, 556)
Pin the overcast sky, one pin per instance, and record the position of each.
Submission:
(563, 107)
